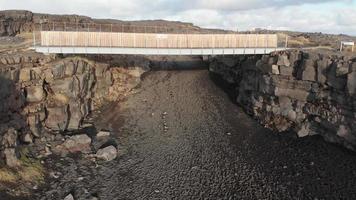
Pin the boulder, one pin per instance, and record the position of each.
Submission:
(275, 69)
(103, 134)
(335, 81)
(34, 123)
(292, 115)
(81, 67)
(283, 60)
(69, 197)
(103, 138)
(322, 68)
(10, 60)
(57, 118)
(77, 143)
(58, 70)
(346, 133)
(342, 68)
(108, 153)
(27, 138)
(76, 116)
(100, 70)
(9, 139)
(25, 74)
(69, 69)
(11, 157)
(3, 60)
(285, 105)
(304, 130)
(272, 60)
(297, 94)
(309, 72)
(67, 86)
(83, 84)
(136, 71)
(351, 83)
(34, 94)
(286, 71)
(17, 59)
(281, 123)
(265, 85)
(295, 57)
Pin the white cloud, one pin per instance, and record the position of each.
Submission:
(297, 18)
(254, 4)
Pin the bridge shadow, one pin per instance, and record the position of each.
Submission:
(177, 63)
(228, 88)
(155, 63)
(12, 100)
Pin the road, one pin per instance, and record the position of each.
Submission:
(183, 138)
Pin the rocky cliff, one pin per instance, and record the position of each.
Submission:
(14, 22)
(44, 97)
(305, 92)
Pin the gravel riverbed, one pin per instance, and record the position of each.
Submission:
(181, 137)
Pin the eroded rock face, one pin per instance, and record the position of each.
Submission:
(13, 22)
(45, 94)
(305, 92)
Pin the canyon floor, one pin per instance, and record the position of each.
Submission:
(181, 137)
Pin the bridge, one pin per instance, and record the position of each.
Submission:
(78, 41)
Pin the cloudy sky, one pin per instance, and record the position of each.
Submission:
(329, 16)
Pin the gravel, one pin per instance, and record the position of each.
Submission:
(197, 158)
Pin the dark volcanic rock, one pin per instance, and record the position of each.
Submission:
(46, 94)
(13, 22)
(307, 92)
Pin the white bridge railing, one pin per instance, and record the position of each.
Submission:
(153, 40)
(93, 41)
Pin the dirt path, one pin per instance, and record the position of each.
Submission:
(209, 149)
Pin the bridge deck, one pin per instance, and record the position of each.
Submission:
(154, 44)
(155, 51)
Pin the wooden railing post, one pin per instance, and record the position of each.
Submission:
(145, 36)
(87, 40)
(111, 35)
(99, 36)
(256, 41)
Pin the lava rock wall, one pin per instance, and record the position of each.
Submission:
(306, 92)
(45, 96)
(14, 22)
